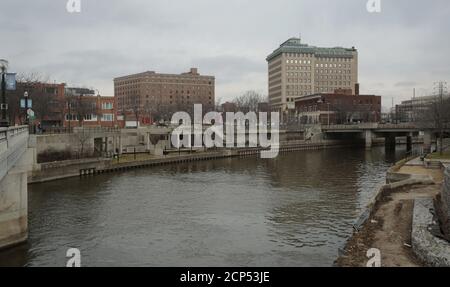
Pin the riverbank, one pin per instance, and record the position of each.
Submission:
(46, 172)
(388, 226)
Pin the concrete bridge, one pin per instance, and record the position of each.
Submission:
(15, 162)
(369, 131)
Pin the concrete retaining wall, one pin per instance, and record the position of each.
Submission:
(71, 168)
(431, 250)
(65, 169)
(443, 203)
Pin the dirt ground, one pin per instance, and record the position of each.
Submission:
(389, 229)
(436, 174)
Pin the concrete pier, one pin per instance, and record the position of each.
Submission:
(409, 144)
(427, 141)
(15, 161)
(368, 137)
(390, 142)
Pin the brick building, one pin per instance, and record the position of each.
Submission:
(50, 103)
(96, 111)
(47, 102)
(228, 107)
(153, 96)
(340, 107)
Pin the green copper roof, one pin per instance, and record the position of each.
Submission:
(294, 45)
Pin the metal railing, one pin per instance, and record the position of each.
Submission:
(364, 126)
(66, 130)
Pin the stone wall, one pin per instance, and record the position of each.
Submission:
(443, 204)
(430, 249)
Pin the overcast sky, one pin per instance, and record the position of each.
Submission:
(404, 46)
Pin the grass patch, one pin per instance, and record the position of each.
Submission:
(437, 155)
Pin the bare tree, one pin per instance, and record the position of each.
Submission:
(136, 109)
(218, 104)
(249, 101)
(83, 138)
(46, 103)
(437, 115)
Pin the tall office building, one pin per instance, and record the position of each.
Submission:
(164, 93)
(297, 69)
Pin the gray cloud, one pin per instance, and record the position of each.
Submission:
(403, 47)
(229, 68)
(406, 84)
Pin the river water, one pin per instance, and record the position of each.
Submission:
(295, 210)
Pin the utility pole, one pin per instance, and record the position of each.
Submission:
(69, 117)
(413, 103)
(440, 115)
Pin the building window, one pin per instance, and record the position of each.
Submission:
(71, 117)
(90, 117)
(108, 106)
(107, 117)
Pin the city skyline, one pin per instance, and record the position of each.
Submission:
(134, 37)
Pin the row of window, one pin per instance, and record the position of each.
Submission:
(90, 117)
(308, 87)
(301, 74)
(304, 68)
(326, 89)
(330, 59)
(299, 55)
(187, 97)
(297, 80)
(305, 62)
(136, 83)
(298, 93)
(314, 107)
(188, 102)
(342, 60)
(340, 77)
(335, 83)
(188, 92)
(107, 106)
(153, 88)
(333, 65)
(333, 71)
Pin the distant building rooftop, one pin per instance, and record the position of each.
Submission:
(192, 72)
(294, 45)
(72, 91)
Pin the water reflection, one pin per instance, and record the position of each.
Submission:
(295, 210)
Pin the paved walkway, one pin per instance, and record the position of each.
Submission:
(416, 161)
(436, 174)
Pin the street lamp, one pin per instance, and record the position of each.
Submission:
(25, 95)
(3, 121)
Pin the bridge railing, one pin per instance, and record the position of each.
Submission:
(13, 144)
(368, 126)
